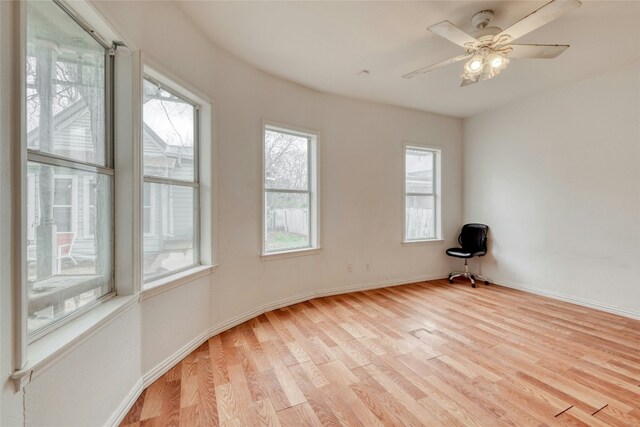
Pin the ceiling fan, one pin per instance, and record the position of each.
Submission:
(489, 49)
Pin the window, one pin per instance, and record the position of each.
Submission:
(68, 93)
(171, 187)
(422, 220)
(290, 213)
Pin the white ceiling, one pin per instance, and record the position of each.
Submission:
(324, 45)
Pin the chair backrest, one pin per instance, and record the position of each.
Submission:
(473, 237)
(65, 243)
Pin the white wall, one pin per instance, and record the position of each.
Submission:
(361, 173)
(87, 385)
(556, 177)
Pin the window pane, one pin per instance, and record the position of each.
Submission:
(68, 266)
(419, 167)
(170, 241)
(65, 91)
(168, 134)
(286, 161)
(287, 221)
(420, 217)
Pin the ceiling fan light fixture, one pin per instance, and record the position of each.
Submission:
(490, 47)
(496, 63)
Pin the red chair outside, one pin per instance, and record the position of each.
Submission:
(65, 245)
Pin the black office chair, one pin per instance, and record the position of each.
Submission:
(473, 242)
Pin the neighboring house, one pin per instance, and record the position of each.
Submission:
(74, 193)
(167, 210)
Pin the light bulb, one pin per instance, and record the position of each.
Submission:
(496, 62)
(475, 65)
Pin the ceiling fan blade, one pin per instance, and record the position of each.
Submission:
(434, 66)
(447, 30)
(536, 50)
(537, 19)
(467, 82)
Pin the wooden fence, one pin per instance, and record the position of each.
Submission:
(295, 220)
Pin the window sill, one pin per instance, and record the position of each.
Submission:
(289, 254)
(164, 284)
(49, 349)
(423, 242)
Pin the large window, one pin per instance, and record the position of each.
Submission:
(421, 204)
(69, 171)
(290, 214)
(171, 187)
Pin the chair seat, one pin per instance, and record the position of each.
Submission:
(461, 253)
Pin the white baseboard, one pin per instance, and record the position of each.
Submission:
(148, 378)
(171, 361)
(567, 298)
(126, 404)
(235, 321)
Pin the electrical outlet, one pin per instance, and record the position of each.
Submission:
(349, 268)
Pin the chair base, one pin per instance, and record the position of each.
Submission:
(467, 275)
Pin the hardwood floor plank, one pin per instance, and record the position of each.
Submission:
(315, 375)
(314, 397)
(614, 416)
(190, 416)
(580, 417)
(289, 385)
(207, 401)
(278, 397)
(301, 415)
(189, 379)
(226, 403)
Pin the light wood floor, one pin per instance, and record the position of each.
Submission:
(423, 354)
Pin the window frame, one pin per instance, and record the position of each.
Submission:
(435, 192)
(195, 184)
(152, 212)
(313, 189)
(87, 209)
(51, 159)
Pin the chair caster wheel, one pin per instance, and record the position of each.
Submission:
(486, 282)
(450, 281)
(473, 285)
